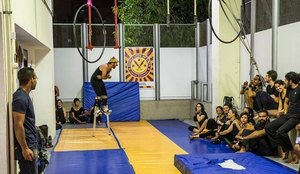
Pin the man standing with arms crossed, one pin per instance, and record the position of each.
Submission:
(24, 122)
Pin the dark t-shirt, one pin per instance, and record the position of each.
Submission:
(272, 90)
(202, 113)
(77, 113)
(60, 115)
(259, 126)
(96, 73)
(23, 104)
(294, 101)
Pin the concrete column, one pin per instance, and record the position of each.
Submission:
(225, 57)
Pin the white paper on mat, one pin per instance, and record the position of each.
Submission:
(230, 164)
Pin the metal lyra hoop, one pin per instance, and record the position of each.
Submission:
(103, 31)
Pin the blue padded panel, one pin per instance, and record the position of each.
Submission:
(123, 100)
(178, 132)
(208, 163)
(91, 162)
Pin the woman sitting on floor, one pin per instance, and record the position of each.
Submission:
(251, 114)
(247, 128)
(77, 114)
(210, 126)
(199, 118)
(230, 129)
(60, 113)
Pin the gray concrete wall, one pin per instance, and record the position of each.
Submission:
(166, 109)
(171, 109)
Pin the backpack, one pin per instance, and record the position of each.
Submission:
(228, 101)
(42, 143)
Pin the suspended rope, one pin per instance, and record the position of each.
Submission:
(89, 4)
(168, 13)
(195, 12)
(116, 25)
(89, 46)
(246, 45)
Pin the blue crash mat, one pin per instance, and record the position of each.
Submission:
(91, 162)
(208, 163)
(178, 132)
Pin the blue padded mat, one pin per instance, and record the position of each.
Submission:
(178, 132)
(91, 162)
(123, 100)
(208, 163)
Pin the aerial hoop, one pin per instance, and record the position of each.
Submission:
(212, 28)
(89, 46)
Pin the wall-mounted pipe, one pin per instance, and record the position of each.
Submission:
(156, 40)
(275, 24)
(121, 53)
(84, 41)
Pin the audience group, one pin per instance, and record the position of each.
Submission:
(252, 130)
(76, 115)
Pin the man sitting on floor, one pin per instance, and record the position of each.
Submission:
(257, 141)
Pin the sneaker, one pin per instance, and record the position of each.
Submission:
(98, 113)
(105, 108)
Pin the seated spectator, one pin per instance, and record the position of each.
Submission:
(91, 116)
(257, 142)
(268, 100)
(56, 93)
(282, 104)
(277, 130)
(230, 129)
(210, 126)
(60, 112)
(77, 114)
(246, 128)
(249, 91)
(251, 114)
(199, 117)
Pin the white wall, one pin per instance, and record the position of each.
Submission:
(178, 65)
(24, 15)
(34, 32)
(177, 70)
(288, 52)
(68, 70)
(43, 95)
(3, 108)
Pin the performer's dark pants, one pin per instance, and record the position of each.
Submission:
(264, 101)
(100, 89)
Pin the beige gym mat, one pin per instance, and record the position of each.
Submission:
(148, 150)
(82, 139)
